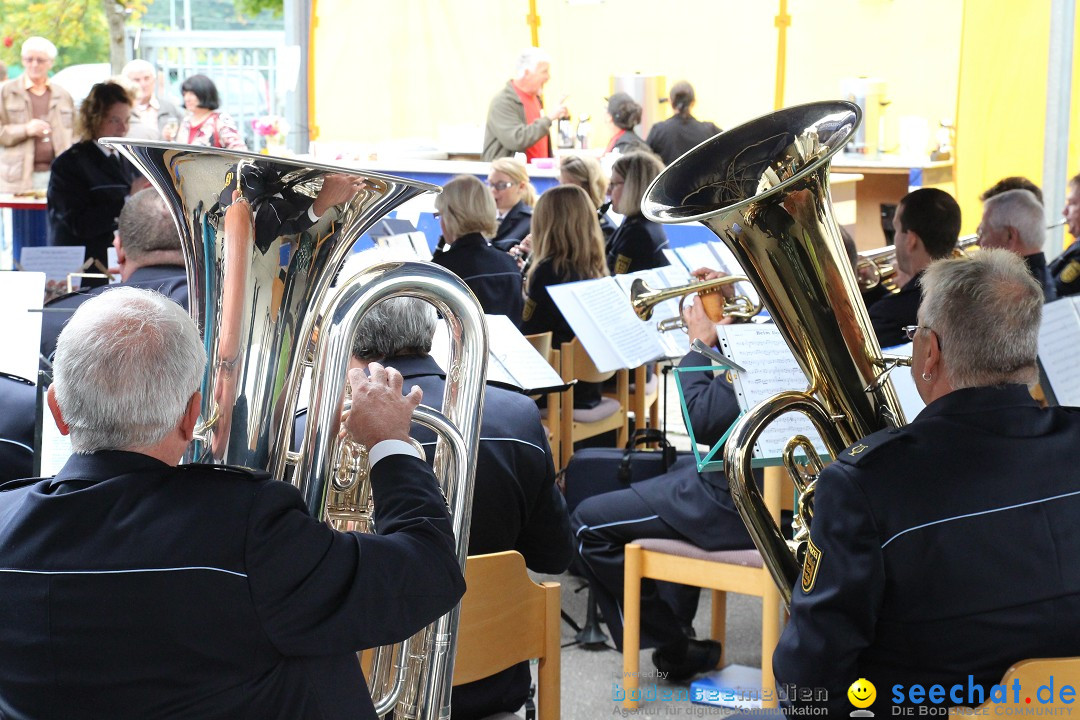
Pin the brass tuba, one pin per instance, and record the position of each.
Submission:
(260, 269)
(763, 188)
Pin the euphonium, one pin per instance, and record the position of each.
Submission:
(259, 268)
(717, 306)
(763, 188)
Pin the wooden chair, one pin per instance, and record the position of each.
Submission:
(739, 571)
(1032, 675)
(507, 618)
(645, 398)
(610, 414)
(552, 414)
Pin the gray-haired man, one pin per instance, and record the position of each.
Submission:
(148, 251)
(516, 121)
(134, 587)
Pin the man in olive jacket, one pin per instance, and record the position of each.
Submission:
(516, 121)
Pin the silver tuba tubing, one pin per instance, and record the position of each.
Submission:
(428, 695)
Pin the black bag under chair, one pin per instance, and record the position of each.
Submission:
(595, 471)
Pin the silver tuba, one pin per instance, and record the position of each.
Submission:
(763, 188)
(260, 267)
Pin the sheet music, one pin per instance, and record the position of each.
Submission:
(55, 448)
(731, 266)
(910, 401)
(517, 357)
(1059, 339)
(609, 330)
(56, 263)
(512, 360)
(771, 368)
(676, 343)
(698, 255)
(21, 293)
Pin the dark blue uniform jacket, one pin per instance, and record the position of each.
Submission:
(492, 275)
(169, 280)
(514, 226)
(947, 548)
(637, 244)
(132, 589)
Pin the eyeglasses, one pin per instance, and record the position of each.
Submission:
(35, 60)
(504, 185)
(910, 331)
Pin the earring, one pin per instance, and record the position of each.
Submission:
(927, 377)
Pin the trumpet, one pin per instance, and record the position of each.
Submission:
(717, 305)
(878, 266)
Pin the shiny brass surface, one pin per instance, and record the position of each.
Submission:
(763, 189)
(260, 268)
(717, 306)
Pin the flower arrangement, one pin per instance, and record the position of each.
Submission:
(272, 128)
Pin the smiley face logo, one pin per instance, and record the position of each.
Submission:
(862, 693)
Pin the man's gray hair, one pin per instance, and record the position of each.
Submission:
(1018, 209)
(126, 364)
(986, 312)
(39, 44)
(139, 64)
(146, 226)
(395, 327)
(529, 59)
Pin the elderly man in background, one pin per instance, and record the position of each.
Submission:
(927, 225)
(196, 590)
(516, 121)
(36, 121)
(942, 552)
(516, 505)
(1013, 220)
(153, 117)
(150, 257)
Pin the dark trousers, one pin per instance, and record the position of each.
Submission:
(603, 525)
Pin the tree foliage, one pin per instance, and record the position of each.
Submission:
(254, 7)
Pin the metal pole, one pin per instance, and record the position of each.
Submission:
(297, 33)
(1056, 139)
(782, 21)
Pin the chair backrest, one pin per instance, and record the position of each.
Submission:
(507, 618)
(541, 342)
(577, 364)
(1041, 681)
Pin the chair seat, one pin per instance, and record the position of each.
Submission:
(745, 558)
(606, 408)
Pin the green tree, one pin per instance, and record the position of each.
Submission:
(76, 27)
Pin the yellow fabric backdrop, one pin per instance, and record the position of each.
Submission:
(402, 69)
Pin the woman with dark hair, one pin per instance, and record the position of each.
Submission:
(671, 138)
(90, 182)
(623, 114)
(567, 246)
(204, 124)
(638, 244)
